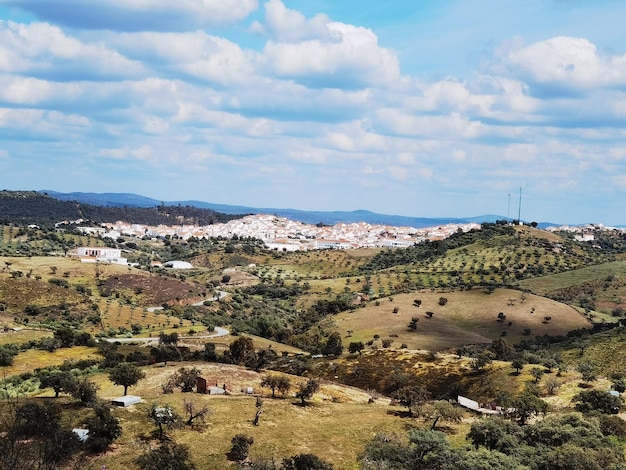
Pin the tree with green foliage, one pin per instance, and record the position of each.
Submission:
(276, 382)
(163, 416)
(165, 353)
(502, 349)
(168, 456)
(31, 436)
(307, 389)
(482, 459)
(333, 346)
(168, 339)
(495, 433)
(86, 391)
(209, 354)
(356, 347)
(59, 381)
(588, 371)
(66, 336)
(7, 354)
(413, 397)
(413, 324)
(598, 400)
(518, 364)
(242, 351)
(482, 360)
(104, 428)
(522, 407)
(537, 373)
(126, 375)
(441, 410)
(186, 378)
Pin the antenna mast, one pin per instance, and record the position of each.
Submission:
(519, 210)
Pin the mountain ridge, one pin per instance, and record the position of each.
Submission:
(309, 217)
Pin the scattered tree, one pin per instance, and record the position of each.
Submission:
(240, 447)
(59, 381)
(307, 389)
(588, 371)
(276, 382)
(333, 346)
(195, 412)
(356, 347)
(242, 350)
(169, 455)
(537, 373)
(163, 416)
(186, 379)
(442, 410)
(413, 397)
(104, 428)
(126, 375)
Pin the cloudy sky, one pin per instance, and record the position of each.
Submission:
(414, 107)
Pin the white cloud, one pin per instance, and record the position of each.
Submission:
(286, 25)
(43, 48)
(567, 61)
(333, 54)
(196, 53)
(454, 126)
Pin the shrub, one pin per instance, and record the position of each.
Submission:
(240, 447)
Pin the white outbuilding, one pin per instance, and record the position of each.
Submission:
(178, 265)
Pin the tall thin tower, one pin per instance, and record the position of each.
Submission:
(519, 210)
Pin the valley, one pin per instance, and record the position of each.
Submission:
(385, 339)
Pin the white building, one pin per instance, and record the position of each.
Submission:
(92, 254)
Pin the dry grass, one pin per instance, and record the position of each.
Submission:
(468, 317)
(24, 336)
(326, 427)
(32, 359)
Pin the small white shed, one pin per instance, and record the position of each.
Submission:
(81, 433)
(126, 400)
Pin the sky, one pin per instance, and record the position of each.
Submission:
(425, 108)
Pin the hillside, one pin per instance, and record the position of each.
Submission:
(449, 316)
(307, 217)
(467, 317)
(31, 207)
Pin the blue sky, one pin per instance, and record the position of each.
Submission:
(421, 107)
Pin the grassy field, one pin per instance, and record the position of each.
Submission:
(28, 361)
(326, 427)
(546, 284)
(467, 317)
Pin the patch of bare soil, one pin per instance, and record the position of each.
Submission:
(152, 290)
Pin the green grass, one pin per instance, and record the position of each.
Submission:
(547, 284)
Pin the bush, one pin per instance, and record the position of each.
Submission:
(167, 456)
(240, 447)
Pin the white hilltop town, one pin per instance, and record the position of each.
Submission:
(279, 233)
(282, 234)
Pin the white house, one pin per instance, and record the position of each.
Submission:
(91, 254)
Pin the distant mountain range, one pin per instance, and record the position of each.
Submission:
(307, 217)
